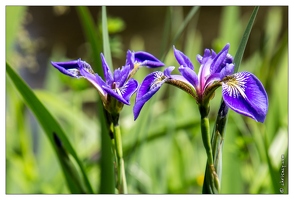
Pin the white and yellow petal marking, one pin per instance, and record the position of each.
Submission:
(235, 85)
(158, 78)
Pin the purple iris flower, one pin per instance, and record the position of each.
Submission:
(118, 85)
(242, 91)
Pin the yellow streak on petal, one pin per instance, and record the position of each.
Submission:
(235, 85)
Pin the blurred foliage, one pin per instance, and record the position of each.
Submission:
(163, 149)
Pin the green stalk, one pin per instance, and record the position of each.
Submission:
(212, 184)
(121, 176)
(217, 145)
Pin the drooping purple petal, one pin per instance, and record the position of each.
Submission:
(72, 68)
(147, 59)
(140, 103)
(183, 59)
(190, 75)
(116, 94)
(148, 82)
(245, 94)
(219, 59)
(96, 80)
(150, 85)
(107, 73)
(128, 89)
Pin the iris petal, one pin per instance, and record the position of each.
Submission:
(147, 59)
(72, 68)
(124, 73)
(96, 80)
(245, 94)
(212, 78)
(190, 75)
(183, 59)
(182, 79)
(167, 71)
(150, 85)
(219, 59)
(128, 89)
(116, 94)
(130, 60)
(107, 73)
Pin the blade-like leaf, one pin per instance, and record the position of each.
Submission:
(245, 37)
(53, 130)
(95, 40)
(92, 37)
(192, 12)
(107, 184)
(106, 45)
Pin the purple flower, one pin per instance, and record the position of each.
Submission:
(115, 85)
(118, 86)
(242, 91)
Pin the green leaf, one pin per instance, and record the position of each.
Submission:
(107, 184)
(244, 40)
(106, 45)
(14, 17)
(54, 133)
(95, 40)
(188, 18)
(230, 20)
(92, 37)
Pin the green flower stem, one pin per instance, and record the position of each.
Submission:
(213, 184)
(121, 176)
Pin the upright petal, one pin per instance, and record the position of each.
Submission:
(107, 73)
(190, 75)
(219, 59)
(206, 55)
(147, 59)
(130, 60)
(228, 69)
(124, 73)
(245, 94)
(183, 59)
(150, 85)
(168, 70)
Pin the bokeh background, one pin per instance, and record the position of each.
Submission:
(163, 154)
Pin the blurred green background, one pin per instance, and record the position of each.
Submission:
(163, 149)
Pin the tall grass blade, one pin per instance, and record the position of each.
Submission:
(96, 41)
(53, 130)
(107, 183)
